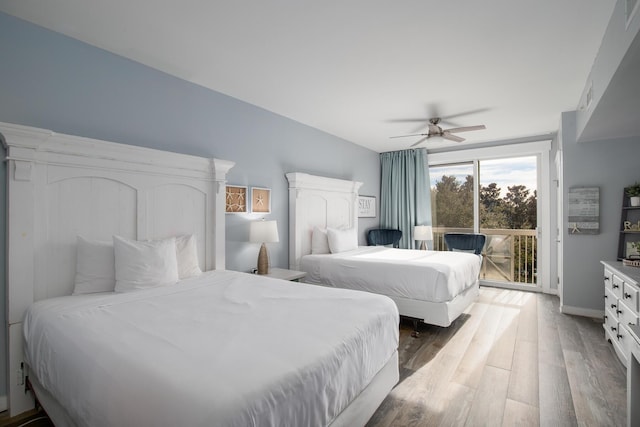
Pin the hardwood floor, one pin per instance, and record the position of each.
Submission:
(513, 360)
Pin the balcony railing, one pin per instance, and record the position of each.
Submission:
(508, 255)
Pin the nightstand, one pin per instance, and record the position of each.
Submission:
(284, 274)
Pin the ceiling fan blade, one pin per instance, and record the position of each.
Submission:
(413, 134)
(455, 138)
(416, 120)
(465, 128)
(420, 141)
(464, 113)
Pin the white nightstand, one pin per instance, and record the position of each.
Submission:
(284, 274)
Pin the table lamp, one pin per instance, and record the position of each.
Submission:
(263, 232)
(423, 233)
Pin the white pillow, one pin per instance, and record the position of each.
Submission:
(187, 256)
(144, 264)
(342, 240)
(319, 241)
(95, 267)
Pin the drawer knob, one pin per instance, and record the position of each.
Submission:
(619, 311)
(606, 296)
(613, 328)
(626, 295)
(614, 306)
(619, 336)
(609, 340)
(606, 279)
(615, 286)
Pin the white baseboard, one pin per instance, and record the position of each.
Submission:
(579, 311)
(3, 403)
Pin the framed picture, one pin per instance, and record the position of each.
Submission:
(584, 210)
(236, 199)
(366, 207)
(260, 200)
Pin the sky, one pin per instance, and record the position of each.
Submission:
(504, 172)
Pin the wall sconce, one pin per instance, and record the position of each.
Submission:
(263, 232)
(423, 233)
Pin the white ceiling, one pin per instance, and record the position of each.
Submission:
(357, 68)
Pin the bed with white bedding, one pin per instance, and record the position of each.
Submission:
(434, 287)
(224, 349)
(434, 276)
(157, 351)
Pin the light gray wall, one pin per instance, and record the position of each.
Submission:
(51, 81)
(610, 165)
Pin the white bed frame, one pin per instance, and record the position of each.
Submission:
(328, 202)
(60, 186)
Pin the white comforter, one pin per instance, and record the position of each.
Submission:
(224, 349)
(435, 276)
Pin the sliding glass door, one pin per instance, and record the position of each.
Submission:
(496, 197)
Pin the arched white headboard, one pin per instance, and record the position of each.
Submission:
(61, 186)
(317, 201)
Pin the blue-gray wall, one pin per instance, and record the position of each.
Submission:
(610, 165)
(51, 81)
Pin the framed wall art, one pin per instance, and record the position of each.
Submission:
(584, 210)
(366, 207)
(236, 199)
(260, 200)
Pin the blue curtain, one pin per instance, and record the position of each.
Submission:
(405, 197)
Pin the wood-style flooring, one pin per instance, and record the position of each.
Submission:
(511, 359)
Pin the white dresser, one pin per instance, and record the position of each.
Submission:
(621, 297)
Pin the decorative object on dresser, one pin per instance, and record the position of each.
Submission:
(621, 296)
(236, 199)
(423, 233)
(260, 200)
(263, 232)
(629, 241)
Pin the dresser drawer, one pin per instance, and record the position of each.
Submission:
(630, 296)
(610, 321)
(608, 279)
(612, 337)
(611, 304)
(626, 316)
(616, 285)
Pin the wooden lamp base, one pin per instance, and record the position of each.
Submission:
(263, 260)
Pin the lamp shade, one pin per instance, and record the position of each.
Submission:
(423, 232)
(263, 232)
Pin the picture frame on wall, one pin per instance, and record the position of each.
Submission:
(260, 200)
(236, 200)
(366, 207)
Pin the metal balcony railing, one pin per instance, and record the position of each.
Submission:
(508, 255)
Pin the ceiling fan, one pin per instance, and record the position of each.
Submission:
(436, 130)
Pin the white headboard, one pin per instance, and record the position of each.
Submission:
(316, 201)
(61, 186)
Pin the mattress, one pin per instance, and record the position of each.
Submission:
(435, 276)
(224, 349)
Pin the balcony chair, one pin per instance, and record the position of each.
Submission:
(384, 237)
(465, 242)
